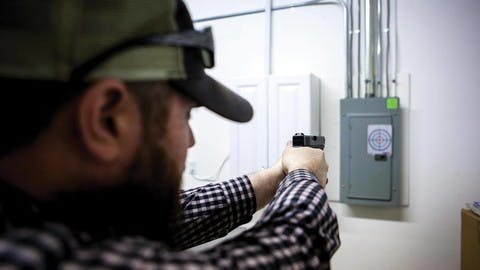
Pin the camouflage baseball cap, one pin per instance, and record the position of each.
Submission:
(134, 40)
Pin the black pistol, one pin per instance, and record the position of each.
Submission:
(299, 139)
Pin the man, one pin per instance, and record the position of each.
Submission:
(96, 97)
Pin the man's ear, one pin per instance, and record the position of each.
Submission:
(109, 121)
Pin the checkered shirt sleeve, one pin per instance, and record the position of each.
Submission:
(212, 211)
(298, 230)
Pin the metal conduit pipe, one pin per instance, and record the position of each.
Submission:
(268, 39)
(378, 50)
(359, 62)
(268, 56)
(370, 56)
(377, 53)
(348, 17)
(347, 24)
(387, 50)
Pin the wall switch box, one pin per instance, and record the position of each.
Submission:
(370, 151)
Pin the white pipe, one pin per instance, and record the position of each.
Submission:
(370, 48)
(348, 21)
(378, 50)
(359, 58)
(268, 58)
(395, 46)
(348, 32)
(387, 48)
(268, 37)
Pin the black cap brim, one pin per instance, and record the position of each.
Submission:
(202, 88)
(215, 96)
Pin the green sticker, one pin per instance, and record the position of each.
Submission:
(392, 103)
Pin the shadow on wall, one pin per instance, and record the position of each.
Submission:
(378, 213)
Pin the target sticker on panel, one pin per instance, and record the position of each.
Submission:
(380, 139)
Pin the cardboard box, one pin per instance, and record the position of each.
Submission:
(470, 240)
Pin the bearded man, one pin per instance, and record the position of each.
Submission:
(96, 98)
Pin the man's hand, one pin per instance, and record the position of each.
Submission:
(311, 159)
(265, 182)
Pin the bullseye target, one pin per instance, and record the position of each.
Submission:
(379, 139)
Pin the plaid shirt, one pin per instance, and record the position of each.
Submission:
(298, 230)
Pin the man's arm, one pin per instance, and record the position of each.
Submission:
(298, 230)
(265, 182)
(212, 211)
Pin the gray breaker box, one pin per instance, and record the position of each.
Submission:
(370, 151)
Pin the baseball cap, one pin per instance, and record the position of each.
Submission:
(133, 40)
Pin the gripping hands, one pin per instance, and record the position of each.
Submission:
(311, 159)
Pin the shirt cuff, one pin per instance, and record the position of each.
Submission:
(299, 175)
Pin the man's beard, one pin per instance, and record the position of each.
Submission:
(145, 204)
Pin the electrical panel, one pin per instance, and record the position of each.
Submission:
(370, 151)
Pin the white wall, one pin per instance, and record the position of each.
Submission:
(438, 45)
